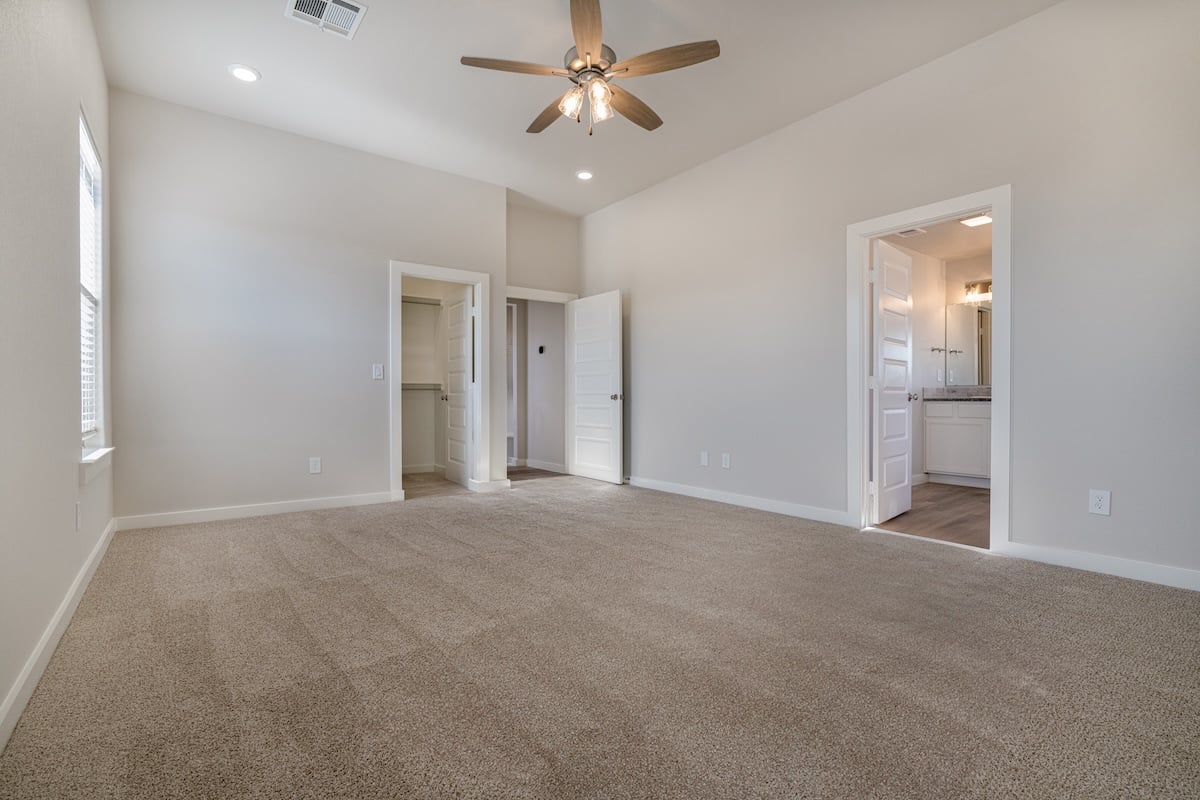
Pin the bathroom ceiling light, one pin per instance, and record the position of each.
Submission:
(583, 175)
(973, 222)
(244, 73)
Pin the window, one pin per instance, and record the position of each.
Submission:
(90, 274)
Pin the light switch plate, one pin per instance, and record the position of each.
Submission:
(377, 372)
(704, 458)
(1100, 502)
(725, 460)
(314, 465)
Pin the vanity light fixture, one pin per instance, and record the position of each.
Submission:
(979, 292)
(244, 73)
(976, 221)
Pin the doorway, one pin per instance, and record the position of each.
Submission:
(890, 378)
(567, 401)
(449, 361)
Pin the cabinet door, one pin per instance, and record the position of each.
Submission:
(957, 446)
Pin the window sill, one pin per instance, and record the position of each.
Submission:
(93, 462)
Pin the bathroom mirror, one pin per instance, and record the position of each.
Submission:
(969, 344)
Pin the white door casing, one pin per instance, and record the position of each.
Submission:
(458, 385)
(892, 446)
(595, 394)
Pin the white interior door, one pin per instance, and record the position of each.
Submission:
(595, 397)
(458, 384)
(892, 440)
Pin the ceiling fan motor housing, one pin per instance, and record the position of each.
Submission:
(575, 64)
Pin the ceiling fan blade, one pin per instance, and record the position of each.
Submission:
(513, 66)
(548, 116)
(681, 55)
(633, 109)
(585, 24)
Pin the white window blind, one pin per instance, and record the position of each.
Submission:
(89, 279)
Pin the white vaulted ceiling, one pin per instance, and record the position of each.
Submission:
(398, 89)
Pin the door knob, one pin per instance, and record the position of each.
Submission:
(612, 397)
(445, 397)
(912, 397)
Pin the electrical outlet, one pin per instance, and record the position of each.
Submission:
(377, 372)
(704, 458)
(724, 460)
(314, 465)
(1099, 502)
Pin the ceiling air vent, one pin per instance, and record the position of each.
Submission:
(341, 17)
(911, 232)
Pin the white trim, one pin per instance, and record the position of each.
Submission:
(485, 487)
(961, 480)
(549, 466)
(858, 241)
(1111, 565)
(517, 462)
(410, 469)
(22, 689)
(919, 478)
(746, 501)
(93, 462)
(255, 510)
(481, 463)
(540, 295)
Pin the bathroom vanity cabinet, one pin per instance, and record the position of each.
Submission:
(958, 438)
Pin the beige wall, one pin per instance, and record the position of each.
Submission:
(251, 298)
(734, 275)
(51, 67)
(543, 248)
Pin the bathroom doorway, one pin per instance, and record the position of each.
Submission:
(928, 360)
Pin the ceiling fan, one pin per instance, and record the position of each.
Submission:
(592, 65)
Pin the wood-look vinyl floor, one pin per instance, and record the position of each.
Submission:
(430, 484)
(958, 514)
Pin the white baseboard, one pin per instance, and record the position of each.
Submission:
(961, 480)
(919, 478)
(409, 469)
(14, 703)
(549, 466)
(1178, 577)
(257, 510)
(488, 486)
(835, 516)
(516, 462)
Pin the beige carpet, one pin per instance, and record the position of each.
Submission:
(571, 639)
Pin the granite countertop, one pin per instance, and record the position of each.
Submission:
(963, 394)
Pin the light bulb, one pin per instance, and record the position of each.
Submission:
(601, 111)
(599, 92)
(572, 103)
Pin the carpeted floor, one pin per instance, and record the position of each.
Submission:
(572, 639)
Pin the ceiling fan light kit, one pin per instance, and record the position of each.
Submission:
(592, 66)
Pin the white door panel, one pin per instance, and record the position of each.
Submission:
(892, 448)
(458, 384)
(594, 387)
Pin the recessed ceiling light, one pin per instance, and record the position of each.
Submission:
(973, 222)
(583, 175)
(244, 73)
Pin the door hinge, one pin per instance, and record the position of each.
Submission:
(872, 383)
(871, 488)
(871, 275)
